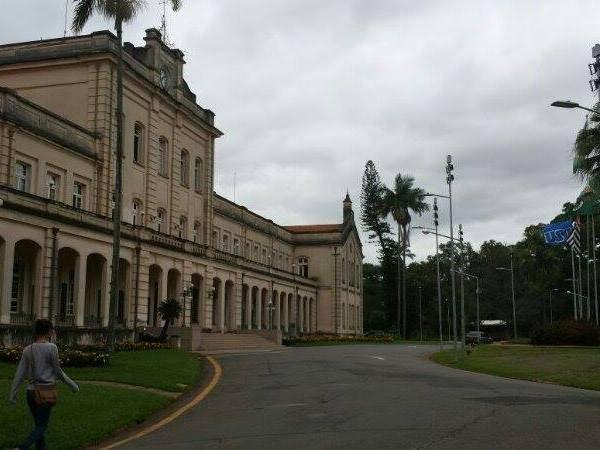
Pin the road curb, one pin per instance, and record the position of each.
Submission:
(169, 414)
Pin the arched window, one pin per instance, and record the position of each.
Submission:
(136, 212)
(303, 266)
(163, 155)
(182, 228)
(197, 230)
(160, 220)
(198, 175)
(138, 143)
(184, 168)
(236, 246)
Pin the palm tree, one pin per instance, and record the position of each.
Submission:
(586, 158)
(399, 202)
(169, 310)
(120, 11)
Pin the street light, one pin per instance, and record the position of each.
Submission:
(571, 105)
(512, 282)
(437, 263)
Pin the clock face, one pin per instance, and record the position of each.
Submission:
(164, 78)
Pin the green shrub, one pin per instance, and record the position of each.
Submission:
(335, 339)
(567, 332)
(68, 357)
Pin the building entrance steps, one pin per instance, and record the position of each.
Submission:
(224, 342)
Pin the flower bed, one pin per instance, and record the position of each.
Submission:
(68, 357)
(324, 339)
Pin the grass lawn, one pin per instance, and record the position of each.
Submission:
(79, 419)
(96, 411)
(578, 367)
(169, 370)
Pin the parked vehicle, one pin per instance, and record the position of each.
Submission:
(478, 337)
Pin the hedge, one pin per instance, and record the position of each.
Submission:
(567, 332)
(335, 339)
(67, 357)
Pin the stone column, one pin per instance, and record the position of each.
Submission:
(286, 319)
(300, 315)
(80, 277)
(258, 309)
(237, 301)
(249, 308)
(278, 312)
(6, 281)
(221, 306)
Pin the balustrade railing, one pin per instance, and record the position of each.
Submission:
(22, 319)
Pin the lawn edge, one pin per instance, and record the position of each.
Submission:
(529, 380)
(209, 376)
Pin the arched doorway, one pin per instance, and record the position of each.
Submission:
(264, 317)
(229, 310)
(154, 292)
(255, 313)
(96, 285)
(196, 306)
(121, 312)
(25, 289)
(245, 307)
(68, 282)
(215, 302)
(289, 317)
(283, 312)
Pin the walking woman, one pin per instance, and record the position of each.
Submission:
(40, 365)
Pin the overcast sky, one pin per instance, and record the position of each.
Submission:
(306, 91)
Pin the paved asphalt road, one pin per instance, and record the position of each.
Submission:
(375, 397)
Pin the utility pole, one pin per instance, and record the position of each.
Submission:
(437, 263)
(421, 313)
(462, 288)
(512, 282)
(449, 180)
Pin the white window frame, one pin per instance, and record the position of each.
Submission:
(184, 168)
(22, 176)
(303, 266)
(138, 143)
(182, 231)
(78, 195)
(163, 156)
(160, 218)
(198, 168)
(136, 213)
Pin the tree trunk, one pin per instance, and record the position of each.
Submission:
(163, 332)
(118, 192)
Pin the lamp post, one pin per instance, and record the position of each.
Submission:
(512, 283)
(449, 179)
(570, 105)
(437, 262)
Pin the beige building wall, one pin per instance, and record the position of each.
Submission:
(232, 268)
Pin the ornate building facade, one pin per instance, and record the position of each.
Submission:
(231, 268)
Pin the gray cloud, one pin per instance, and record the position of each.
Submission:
(307, 91)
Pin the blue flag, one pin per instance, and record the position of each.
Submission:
(558, 233)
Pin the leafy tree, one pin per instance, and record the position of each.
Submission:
(169, 310)
(120, 11)
(399, 202)
(371, 203)
(586, 159)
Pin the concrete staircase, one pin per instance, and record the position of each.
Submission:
(214, 343)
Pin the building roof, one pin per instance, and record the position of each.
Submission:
(325, 228)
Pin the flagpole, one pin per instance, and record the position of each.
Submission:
(574, 283)
(595, 273)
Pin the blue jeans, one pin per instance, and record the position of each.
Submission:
(41, 417)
